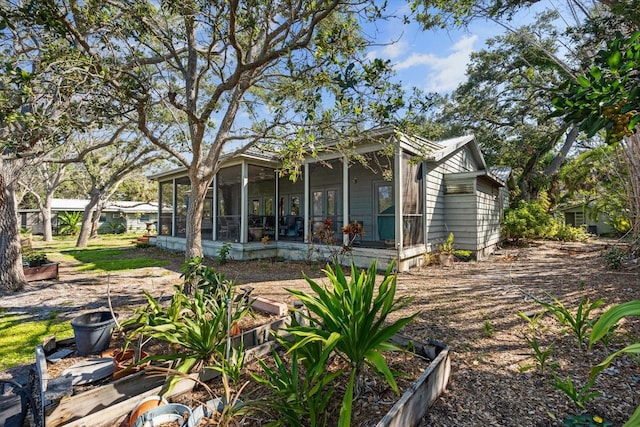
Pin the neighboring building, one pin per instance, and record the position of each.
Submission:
(407, 192)
(582, 215)
(116, 215)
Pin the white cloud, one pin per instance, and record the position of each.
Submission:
(392, 50)
(436, 73)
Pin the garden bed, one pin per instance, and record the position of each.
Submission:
(42, 272)
(108, 404)
(427, 369)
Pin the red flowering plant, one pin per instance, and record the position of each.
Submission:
(325, 233)
(353, 230)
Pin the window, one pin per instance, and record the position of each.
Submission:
(294, 204)
(255, 207)
(268, 206)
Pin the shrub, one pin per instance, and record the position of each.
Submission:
(69, 223)
(463, 255)
(224, 254)
(529, 220)
(568, 233)
(614, 257)
(196, 325)
(525, 220)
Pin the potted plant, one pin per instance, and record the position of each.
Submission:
(36, 266)
(34, 259)
(446, 251)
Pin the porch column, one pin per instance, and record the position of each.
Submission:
(214, 202)
(397, 188)
(345, 198)
(276, 207)
(174, 208)
(244, 202)
(160, 203)
(307, 184)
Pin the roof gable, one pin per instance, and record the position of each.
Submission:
(452, 145)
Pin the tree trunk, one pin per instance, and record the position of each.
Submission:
(85, 229)
(95, 219)
(631, 150)
(194, 219)
(47, 228)
(11, 274)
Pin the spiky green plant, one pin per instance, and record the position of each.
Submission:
(351, 310)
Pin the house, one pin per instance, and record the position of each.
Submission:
(117, 216)
(584, 215)
(407, 192)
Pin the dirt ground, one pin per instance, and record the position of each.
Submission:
(471, 306)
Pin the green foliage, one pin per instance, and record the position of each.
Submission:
(614, 257)
(579, 323)
(197, 325)
(606, 97)
(347, 317)
(569, 233)
(446, 247)
(34, 258)
(541, 356)
(224, 253)
(116, 226)
(301, 398)
(586, 420)
(579, 397)
(607, 322)
(69, 223)
(488, 329)
(526, 220)
(531, 220)
(463, 255)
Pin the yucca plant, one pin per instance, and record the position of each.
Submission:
(352, 313)
(300, 397)
(607, 322)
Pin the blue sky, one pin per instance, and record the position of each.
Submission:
(435, 60)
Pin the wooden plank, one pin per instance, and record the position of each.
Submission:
(413, 404)
(104, 405)
(269, 306)
(83, 404)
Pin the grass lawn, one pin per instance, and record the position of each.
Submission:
(21, 333)
(106, 253)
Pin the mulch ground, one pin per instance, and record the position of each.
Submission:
(473, 307)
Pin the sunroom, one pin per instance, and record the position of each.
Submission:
(380, 181)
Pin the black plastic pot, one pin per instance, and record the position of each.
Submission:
(92, 332)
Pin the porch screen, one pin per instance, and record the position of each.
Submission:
(229, 203)
(165, 223)
(412, 201)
